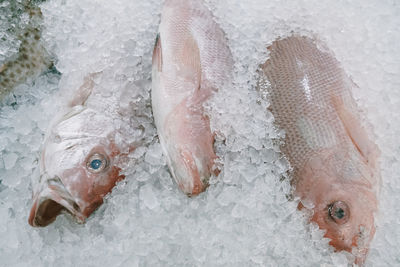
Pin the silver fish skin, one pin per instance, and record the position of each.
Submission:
(327, 141)
(82, 151)
(191, 60)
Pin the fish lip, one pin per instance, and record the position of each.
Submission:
(193, 180)
(186, 170)
(192, 190)
(53, 192)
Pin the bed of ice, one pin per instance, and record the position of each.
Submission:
(11, 20)
(244, 218)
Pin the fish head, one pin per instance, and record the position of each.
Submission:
(338, 188)
(190, 164)
(77, 167)
(187, 142)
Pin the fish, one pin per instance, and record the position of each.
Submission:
(328, 142)
(32, 58)
(191, 60)
(81, 154)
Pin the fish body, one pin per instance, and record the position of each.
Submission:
(191, 60)
(335, 170)
(78, 163)
(32, 58)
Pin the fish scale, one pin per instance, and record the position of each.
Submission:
(317, 124)
(333, 158)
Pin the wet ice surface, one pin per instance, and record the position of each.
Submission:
(244, 218)
(11, 20)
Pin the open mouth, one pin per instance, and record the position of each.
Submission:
(52, 199)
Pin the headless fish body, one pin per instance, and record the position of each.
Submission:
(190, 61)
(78, 164)
(32, 58)
(335, 170)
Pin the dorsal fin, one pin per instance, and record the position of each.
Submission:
(84, 91)
(157, 54)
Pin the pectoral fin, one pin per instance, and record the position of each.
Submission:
(357, 133)
(189, 59)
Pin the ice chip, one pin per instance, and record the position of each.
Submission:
(237, 221)
(238, 211)
(148, 197)
(249, 172)
(9, 160)
(227, 196)
(154, 154)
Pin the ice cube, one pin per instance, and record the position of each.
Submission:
(244, 217)
(148, 197)
(9, 160)
(154, 154)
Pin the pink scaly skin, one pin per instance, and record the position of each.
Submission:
(190, 61)
(335, 163)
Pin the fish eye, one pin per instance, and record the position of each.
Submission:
(96, 163)
(339, 212)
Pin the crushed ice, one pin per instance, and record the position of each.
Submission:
(244, 218)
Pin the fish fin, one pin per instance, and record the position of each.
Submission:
(84, 91)
(357, 133)
(157, 54)
(190, 59)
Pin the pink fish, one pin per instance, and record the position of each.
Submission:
(78, 164)
(191, 60)
(335, 170)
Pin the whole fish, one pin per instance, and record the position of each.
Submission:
(32, 58)
(191, 60)
(81, 153)
(335, 170)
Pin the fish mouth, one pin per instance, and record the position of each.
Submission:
(50, 201)
(190, 174)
